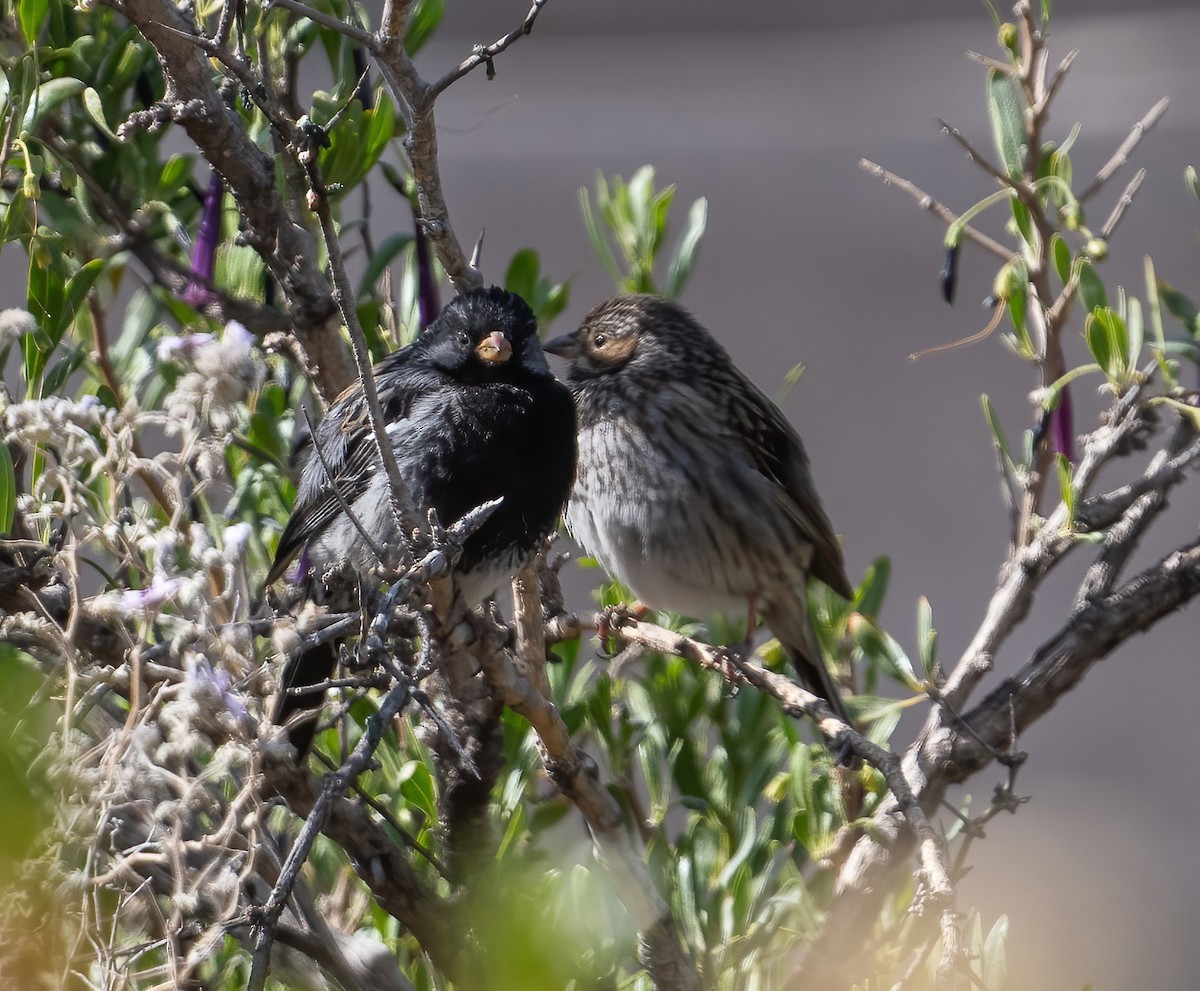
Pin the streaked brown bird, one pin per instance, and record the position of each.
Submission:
(691, 486)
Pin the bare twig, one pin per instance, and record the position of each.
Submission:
(403, 509)
(1122, 204)
(1125, 149)
(331, 481)
(943, 213)
(576, 775)
(219, 132)
(975, 155)
(484, 54)
(334, 786)
(1060, 75)
(531, 632)
(351, 31)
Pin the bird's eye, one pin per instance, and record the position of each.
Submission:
(599, 341)
(464, 338)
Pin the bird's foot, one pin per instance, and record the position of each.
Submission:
(612, 618)
(729, 658)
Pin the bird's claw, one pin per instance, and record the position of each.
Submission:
(730, 658)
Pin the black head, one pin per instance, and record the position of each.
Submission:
(636, 332)
(484, 335)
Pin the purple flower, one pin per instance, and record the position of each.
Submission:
(1062, 425)
(154, 595)
(201, 672)
(427, 291)
(198, 292)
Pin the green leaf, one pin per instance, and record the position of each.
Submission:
(926, 637)
(522, 273)
(95, 110)
(1008, 124)
(689, 244)
(66, 366)
(599, 241)
(993, 957)
(31, 13)
(47, 302)
(880, 648)
(8, 490)
(1137, 335)
(1015, 301)
(381, 127)
(239, 271)
(1099, 338)
(1188, 412)
(384, 254)
(1060, 168)
(1091, 289)
(1180, 306)
(1061, 255)
(868, 600)
(1065, 487)
(47, 97)
(1152, 300)
(1023, 221)
(78, 286)
(993, 422)
(174, 172)
(424, 20)
(1193, 181)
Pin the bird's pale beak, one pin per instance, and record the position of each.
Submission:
(494, 349)
(565, 346)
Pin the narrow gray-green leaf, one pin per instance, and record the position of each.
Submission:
(689, 245)
(1061, 255)
(8, 490)
(1091, 289)
(48, 96)
(95, 110)
(1008, 123)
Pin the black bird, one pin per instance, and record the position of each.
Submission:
(692, 488)
(474, 414)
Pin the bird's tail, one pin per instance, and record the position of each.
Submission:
(299, 710)
(796, 635)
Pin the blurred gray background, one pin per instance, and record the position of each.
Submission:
(765, 108)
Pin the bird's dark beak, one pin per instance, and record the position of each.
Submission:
(494, 349)
(565, 346)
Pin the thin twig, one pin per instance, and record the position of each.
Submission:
(483, 55)
(335, 785)
(1125, 149)
(943, 213)
(331, 480)
(1119, 208)
(1060, 75)
(575, 774)
(351, 31)
(403, 509)
(975, 155)
(531, 632)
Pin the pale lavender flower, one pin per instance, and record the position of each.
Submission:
(200, 671)
(157, 593)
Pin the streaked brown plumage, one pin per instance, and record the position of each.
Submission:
(691, 486)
